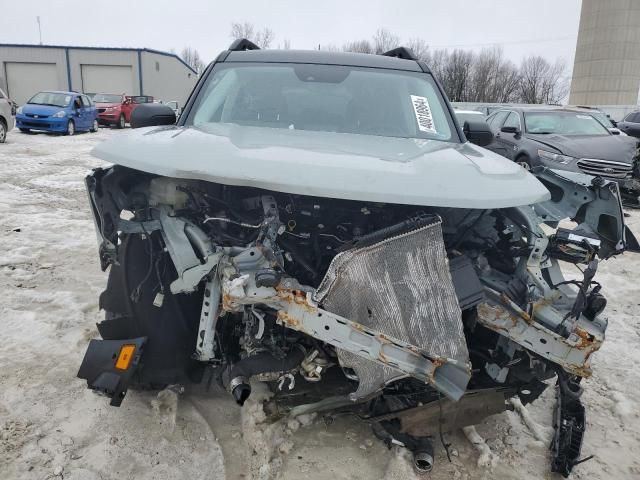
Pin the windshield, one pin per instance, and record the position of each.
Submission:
(324, 98)
(563, 123)
(603, 119)
(107, 98)
(49, 98)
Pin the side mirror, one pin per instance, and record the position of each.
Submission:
(478, 132)
(515, 130)
(613, 122)
(152, 114)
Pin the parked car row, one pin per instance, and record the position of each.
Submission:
(70, 112)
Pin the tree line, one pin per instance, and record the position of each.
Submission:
(466, 76)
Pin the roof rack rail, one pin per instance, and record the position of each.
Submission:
(242, 44)
(401, 52)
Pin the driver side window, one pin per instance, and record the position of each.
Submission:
(513, 121)
(496, 121)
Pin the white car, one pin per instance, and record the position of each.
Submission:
(7, 116)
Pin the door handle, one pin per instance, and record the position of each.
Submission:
(497, 135)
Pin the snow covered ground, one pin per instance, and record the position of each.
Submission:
(52, 427)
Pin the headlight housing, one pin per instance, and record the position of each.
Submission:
(555, 157)
(60, 114)
(19, 110)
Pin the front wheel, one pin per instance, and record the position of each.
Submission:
(71, 128)
(121, 121)
(524, 162)
(3, 132)
(94, 126)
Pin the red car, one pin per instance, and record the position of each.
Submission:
(116, 109)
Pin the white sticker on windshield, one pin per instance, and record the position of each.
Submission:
(423, 114)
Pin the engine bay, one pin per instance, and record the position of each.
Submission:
(389, 311)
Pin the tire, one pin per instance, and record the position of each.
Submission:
(524, 162)
(71, 128)
(3, 131)
(121, 122)
(25, 130)
(94, 126)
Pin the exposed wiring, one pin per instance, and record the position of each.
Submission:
(135, 294)
(228, 220)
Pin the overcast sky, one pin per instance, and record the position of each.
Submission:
(522, 27)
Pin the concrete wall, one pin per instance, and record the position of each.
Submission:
(606, 70)
(166, 78)
(163, 76)
(78, 57)
(34, 55)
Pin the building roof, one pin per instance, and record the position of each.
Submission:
(126, 49)
(324, 58)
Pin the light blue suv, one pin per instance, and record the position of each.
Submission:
(58, 112)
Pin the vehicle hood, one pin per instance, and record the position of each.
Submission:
(603, 147)
(44, 110)
(107, 105)
(333, 165)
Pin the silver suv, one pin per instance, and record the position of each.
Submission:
(7, 115)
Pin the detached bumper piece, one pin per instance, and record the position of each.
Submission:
(109, 365)
(569, 424)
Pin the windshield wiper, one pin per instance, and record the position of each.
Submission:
(542, 133)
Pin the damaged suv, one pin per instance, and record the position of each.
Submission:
(319, 221)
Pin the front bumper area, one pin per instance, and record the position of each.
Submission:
(100, 367)
(110, 118)
(47, 124)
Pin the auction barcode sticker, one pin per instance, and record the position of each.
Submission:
(423, 114)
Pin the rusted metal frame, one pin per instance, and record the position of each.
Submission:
(205, 342)
(296, 310)
(446, 375)
(507, 319)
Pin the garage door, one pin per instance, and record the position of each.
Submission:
(107, 79)
(24, 80)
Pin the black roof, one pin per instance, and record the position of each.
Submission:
(323, 58)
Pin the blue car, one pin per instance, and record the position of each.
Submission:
(58, 112)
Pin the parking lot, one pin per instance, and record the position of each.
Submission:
(52, 426)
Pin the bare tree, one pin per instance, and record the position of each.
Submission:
(384, 40)
(358, 46)
(192, 58)
(262, 38)
(419, 48)
(494, 79)
(456, 75)
(286, 44)
(541, 82)
(242, 30)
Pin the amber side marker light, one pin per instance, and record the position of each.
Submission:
(125, 356)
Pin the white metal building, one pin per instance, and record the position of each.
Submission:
(28, 69)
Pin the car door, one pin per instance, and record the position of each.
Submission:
(631, 124)
(78, 112)
(508, 140)
(495, 121)
(90, 109)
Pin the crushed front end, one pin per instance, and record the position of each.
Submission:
(395, 312)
